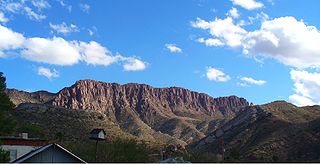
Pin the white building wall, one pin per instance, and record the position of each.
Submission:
(16, 151)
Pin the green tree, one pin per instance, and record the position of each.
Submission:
(5, 103)
(7, 125)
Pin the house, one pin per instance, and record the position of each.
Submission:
(98, 134)
(19, 146)
(52, 153)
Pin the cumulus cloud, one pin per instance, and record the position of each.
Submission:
(9, 39)
(217, 75)
(233, 12)
(133, 64)
(248, 4)
(246, 81)
(59, 51)
(64, 28)
(3, 18)
(95, 54)
(52, 51)
(223, 29)
(42, 71)
(84, 7)
(287, 40)
(306, 87)
(173, 48)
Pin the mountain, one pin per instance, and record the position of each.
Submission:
(18, 97)
(170, 115)
(278, 131)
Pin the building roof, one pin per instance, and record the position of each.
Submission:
(23, 141)
(41, 149)
(97, 131)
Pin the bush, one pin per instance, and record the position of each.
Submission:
(4, 156)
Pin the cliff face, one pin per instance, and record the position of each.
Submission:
(99, 96)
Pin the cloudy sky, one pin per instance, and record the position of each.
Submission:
(263, 50)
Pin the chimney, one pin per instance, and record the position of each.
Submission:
(24, 135)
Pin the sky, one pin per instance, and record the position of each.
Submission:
(262, 50)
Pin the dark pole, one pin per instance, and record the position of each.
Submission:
(95, 159)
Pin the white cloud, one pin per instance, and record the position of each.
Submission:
(217, 75)
(248, 4)
(262, 17)
(42, 71)
(242, 84)
(40, 4)
(21, 7)
(287, 40)
(64, 28)
(10, 39)
(95, 54)
(3, 18)
(59, 51)
(33, 15)
(249, 80)
(223, 29)
(210, 42)
(173, 48)
(133, 64)
(306, 87)
(299, 100)
(90, 32)
(233, 12)
(52, 51)
(84, 7)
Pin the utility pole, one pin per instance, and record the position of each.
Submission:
(96, 152)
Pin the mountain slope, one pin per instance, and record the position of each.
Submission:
(18, 97)
(277, 131)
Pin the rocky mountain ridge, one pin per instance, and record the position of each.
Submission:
(141, 110)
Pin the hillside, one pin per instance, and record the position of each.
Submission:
(278, 131)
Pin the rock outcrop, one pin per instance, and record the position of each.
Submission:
(39, 97)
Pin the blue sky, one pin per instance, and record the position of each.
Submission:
(263, 50)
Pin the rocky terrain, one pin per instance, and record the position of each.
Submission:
(173, 114)
(39, 97)
(277, 131)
